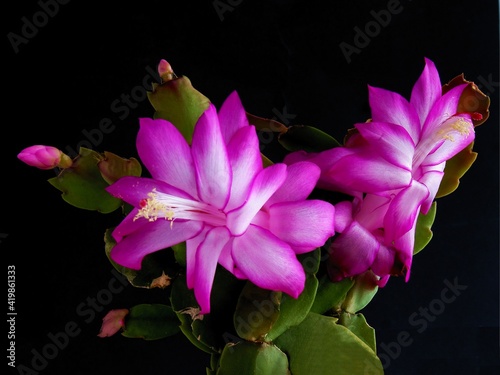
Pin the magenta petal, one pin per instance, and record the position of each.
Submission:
(133, 189)
(246, 161)
(384, 261)
(343, 216)
(207, 256)
(226, 257)
(352, 252)
(305, 224)
(155, 236)
(324, 160)
(192, 245)
(445, 107)
(431, 179)
(391, 141)
(383, 281)
(405, 245)
(426, 91)
(297, 156)
(166, 154)
(403, 210)
(367, 173)
(268, 262)
(458, 133)
(213, 175)
(263, 187)
(372, 209)
(390, 107)
(300, 181)
(232, 116)
(128, 225)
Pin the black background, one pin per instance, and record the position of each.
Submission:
(281, 56)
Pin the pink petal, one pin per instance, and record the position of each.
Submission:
(431, 179)
(390, 107)
(152, 237)
(426, 91)
(324, 160)
(192, 245)
(207, 256)
(133, 189)
(213, 172)
(457, 134)
(403, 210)
(343, 215)
(383, 281)
(365, 172)
(128, 225)
(226, 258)
(300, 181)
(384, 261)
(232, 116)
(297, 156)
(166, 154)
(305, 224)
(372, 209)
(445, 107)
(268, 262)
(404, 245)
(246, 161)
(352, 252)
(391, 141)
(264, 185)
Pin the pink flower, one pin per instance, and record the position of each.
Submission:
(216, 196)
(44, 157)
(112, 322)
(393, 165)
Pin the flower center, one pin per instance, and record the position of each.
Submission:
(169, 207)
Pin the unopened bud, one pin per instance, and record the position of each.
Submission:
(44, 157)
(113, 322)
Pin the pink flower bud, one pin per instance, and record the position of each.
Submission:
(165, 71)
(44, 157)
(113, 322)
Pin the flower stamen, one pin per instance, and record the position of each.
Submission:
(448, 131)
(162, 205)
(459, 125)
(152, 208)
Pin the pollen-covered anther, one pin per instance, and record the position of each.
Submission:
(460, 126)
(151, 209)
